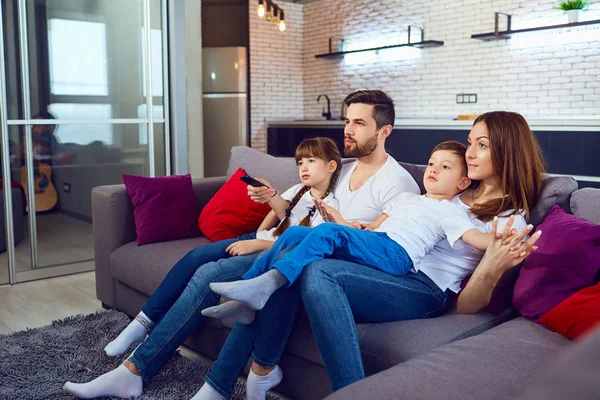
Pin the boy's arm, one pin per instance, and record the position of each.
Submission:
(479, 240)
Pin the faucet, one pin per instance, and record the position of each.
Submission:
(328, 113)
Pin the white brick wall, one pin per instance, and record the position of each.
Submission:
(537, 74)
(276, 73)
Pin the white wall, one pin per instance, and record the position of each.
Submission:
(534, 74)
(276, 70)
(537, 74)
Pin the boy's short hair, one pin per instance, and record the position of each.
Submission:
(457, 148)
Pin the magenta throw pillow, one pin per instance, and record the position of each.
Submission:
(164, 208)
(566, 261)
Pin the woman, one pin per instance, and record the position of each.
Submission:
(504, 158)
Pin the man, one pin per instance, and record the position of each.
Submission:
(364, 188)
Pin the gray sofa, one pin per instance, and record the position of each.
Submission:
(127, 274)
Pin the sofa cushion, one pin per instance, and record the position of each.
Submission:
(555, 190)
(567, 260)
(417, 172)
(164, 208)
(585, 204)
(387, 344)
(577, 315)
(572, 375)
(493, 365)
(143, 268)
(282, 173)
(231, 213)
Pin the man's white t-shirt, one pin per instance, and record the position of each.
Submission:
(447, 266)
(300, 210)
(418, 223)
(367, 202)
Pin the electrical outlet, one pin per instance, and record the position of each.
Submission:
(67, 187)
(466, 98)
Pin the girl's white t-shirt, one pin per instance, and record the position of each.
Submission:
(447, 266)
(301, 210)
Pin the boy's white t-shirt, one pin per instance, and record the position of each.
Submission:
(418, 223)
(300, 210)
(367, 203)
(447, 266)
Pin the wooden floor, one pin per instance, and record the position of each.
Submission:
(38, 303)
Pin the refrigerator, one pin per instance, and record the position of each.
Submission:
(225, 105)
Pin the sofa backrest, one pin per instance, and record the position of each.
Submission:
(282, 173)
(585, 204)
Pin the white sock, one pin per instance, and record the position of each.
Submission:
(135, 332)
(207, 392)
(258, 386)
(119, 382)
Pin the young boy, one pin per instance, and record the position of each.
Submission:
(399, 238)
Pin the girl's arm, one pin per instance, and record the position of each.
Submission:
(269, 195)
(269, 222)
(244, 247)
(504, 252)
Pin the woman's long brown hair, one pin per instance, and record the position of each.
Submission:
(321, 148)
(518, 162)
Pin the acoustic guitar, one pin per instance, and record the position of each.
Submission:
(45, 192)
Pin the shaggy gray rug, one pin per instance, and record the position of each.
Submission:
(37, 362)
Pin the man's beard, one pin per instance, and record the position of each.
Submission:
(363, 150)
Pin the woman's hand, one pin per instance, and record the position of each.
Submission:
(504, 252)
(330, 214)
(261, 194)
(507, 249)
(244, 247)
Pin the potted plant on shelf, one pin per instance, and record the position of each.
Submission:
(573, 8)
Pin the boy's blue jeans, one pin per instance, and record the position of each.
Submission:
(373, 249)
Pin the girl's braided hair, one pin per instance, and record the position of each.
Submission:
(321, 148)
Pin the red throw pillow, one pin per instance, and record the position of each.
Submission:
(164, 208)
(576, 315)
(231, 213)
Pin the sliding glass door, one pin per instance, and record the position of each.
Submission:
(79, 78)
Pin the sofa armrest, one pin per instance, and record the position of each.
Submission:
(205, 189)
(113, 226)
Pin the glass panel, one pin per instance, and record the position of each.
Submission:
(77, 52)
(64, 182)
(83, 52)
(69, 133)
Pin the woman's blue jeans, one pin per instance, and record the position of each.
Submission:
(178, 277)
(337, 294)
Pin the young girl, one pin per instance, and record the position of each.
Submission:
(319, 165)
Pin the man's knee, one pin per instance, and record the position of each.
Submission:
(312, 278)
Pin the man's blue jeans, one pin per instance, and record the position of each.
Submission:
(184, 316)
(178, 277)
(337, 294)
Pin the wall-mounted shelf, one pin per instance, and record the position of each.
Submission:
(421, 44)
(507, 33)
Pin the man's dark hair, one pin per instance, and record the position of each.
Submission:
(383, 105)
